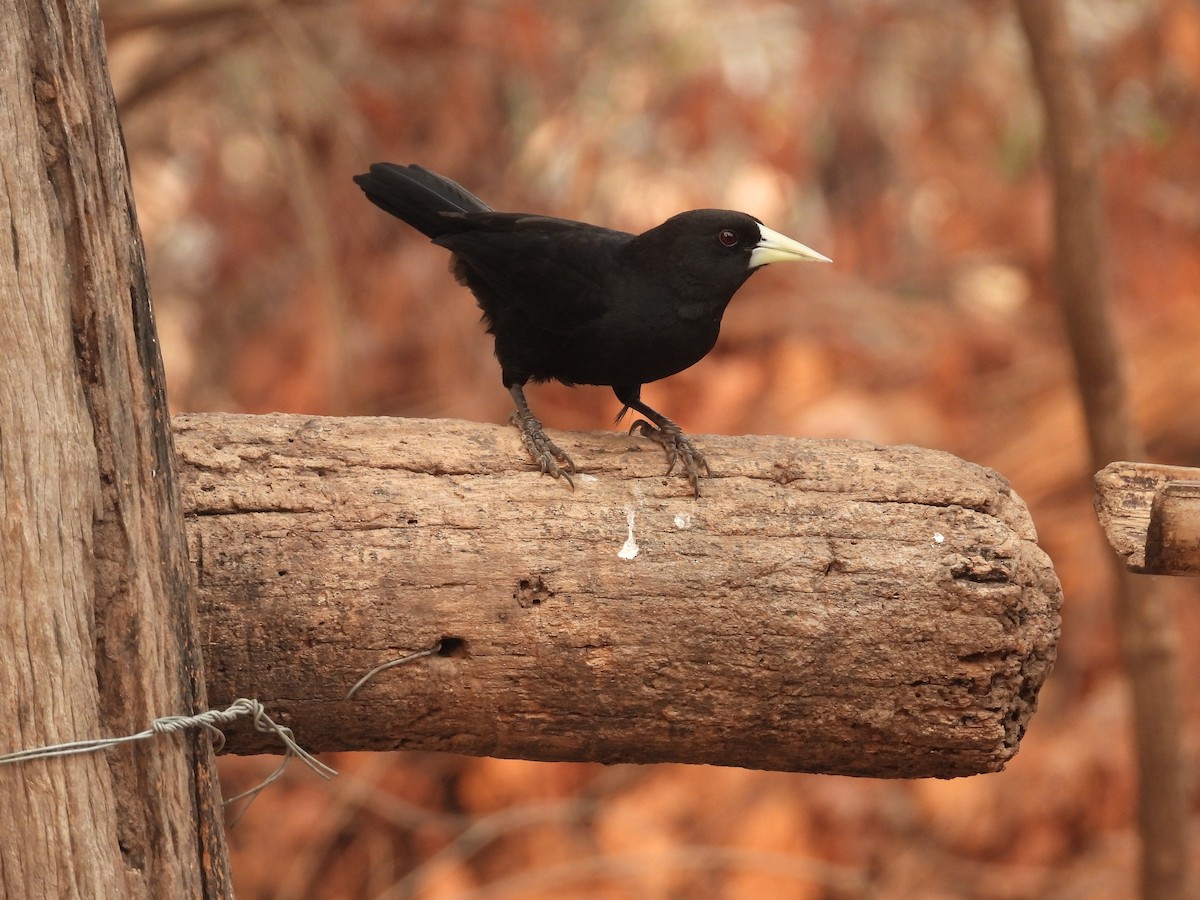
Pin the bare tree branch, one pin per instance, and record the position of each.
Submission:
(1145, 618)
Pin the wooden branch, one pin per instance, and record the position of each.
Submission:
(1151, 516)
(96, 631)
(827, 606)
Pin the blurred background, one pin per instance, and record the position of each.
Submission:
(903, 139)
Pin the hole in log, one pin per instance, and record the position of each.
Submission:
(531, 591)
(454, 647)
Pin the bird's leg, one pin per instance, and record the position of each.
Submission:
(661, 429)
(543, 450)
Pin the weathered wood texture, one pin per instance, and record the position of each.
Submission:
(97, 637)
(1151, 516)
(826, 606)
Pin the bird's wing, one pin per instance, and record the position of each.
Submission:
(559, 273)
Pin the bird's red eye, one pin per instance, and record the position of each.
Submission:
(728, 237)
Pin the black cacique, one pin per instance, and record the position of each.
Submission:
(582, 304)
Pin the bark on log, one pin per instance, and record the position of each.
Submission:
(1150, 514)
(97, 637)
(827, 606)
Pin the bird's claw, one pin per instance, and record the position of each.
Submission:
(544, 451)
(678, 447)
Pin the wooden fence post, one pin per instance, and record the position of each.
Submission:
(97, 626)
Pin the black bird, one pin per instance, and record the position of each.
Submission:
(583, 304)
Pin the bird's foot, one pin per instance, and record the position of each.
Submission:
(679, 447)
(544, 451)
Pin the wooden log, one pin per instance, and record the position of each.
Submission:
(827, 606)
(1150, 514)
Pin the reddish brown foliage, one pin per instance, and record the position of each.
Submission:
(902, 140)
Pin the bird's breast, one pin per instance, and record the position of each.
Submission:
(635, 352)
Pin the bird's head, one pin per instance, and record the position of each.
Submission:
(721, 245)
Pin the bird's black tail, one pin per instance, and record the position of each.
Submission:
(418, 196)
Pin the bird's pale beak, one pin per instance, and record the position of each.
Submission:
(776, 247)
